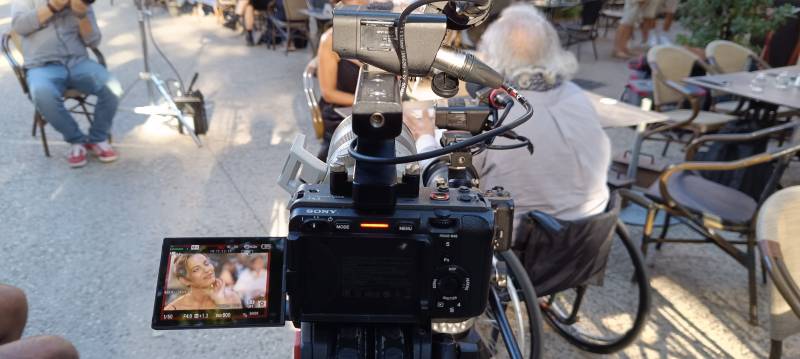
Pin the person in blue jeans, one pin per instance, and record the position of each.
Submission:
(55, 35)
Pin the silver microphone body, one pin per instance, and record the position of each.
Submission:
(466, 67)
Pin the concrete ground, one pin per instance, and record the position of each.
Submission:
(84, 244)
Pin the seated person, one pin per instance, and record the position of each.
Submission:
(566, 175)
(55, 34)
(337, 82)
(13, 315)
(246, 9)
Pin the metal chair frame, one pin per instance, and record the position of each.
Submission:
(309, 89)
(709, 227)
(294, 21)
(82, 106)
(587, 31)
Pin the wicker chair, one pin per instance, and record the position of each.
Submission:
(778, 231)
(707, 207)
(727, 57)
(670, 65)
(12, 49)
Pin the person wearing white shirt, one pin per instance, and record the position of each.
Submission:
(566, 175)
(252, 282)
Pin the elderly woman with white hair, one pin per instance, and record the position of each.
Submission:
(566, 175)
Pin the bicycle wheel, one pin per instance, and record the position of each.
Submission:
(521, 310)
(604, 318)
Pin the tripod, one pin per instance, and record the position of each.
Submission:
(154, 83)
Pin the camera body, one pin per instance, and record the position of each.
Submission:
(429, 259)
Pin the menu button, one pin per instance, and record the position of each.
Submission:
(405, 227)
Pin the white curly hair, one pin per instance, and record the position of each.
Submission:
(523, 38)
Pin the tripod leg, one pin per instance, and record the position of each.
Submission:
(175, 111)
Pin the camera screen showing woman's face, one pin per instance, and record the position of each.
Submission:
(211, 280)
(220, 283)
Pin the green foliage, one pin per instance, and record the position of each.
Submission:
(734, 20)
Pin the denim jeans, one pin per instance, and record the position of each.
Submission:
(48, 83)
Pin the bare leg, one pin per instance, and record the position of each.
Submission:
(249, 17)
(668, 18)
(13, 313)
(43, 347)
(249, 24)
(621, 40)
(647, 25)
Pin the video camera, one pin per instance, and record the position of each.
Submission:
(375, 265)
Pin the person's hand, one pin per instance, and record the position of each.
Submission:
(59, 4)
(419, 126)
(217, 290)
(79, 8)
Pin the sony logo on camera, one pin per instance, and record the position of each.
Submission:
(320, 211)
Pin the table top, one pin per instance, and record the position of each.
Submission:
(614, 113)
(738, 84)
(555, 3)
(318, 14)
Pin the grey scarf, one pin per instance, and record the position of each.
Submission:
(535, 79)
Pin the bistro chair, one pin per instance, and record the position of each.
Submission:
(728, 57)
(309, 88)
(707, 207)
(76, 102)
(611, 14)
(587, 29)
(670, 65)
(296, 22)
(778, 233)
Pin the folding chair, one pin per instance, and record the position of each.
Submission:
(296, 21)
(12, 49)
(587, 30)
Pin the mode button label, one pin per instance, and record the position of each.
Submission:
(343, 226)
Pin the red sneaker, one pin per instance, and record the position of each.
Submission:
(76, 157)
(103, 151)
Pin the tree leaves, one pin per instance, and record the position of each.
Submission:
(735, 20)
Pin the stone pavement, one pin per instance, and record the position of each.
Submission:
(84, 244)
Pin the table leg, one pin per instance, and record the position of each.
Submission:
(633, 164)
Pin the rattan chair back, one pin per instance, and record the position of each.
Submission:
(779, 221)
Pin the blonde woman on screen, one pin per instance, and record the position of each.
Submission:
(206, 291)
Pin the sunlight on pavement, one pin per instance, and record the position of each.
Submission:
(122, 57)
(695, 335)
(126, 39)
(284, 130)
(279, 219)
(155, 130)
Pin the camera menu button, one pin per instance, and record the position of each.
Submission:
(404, 227)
